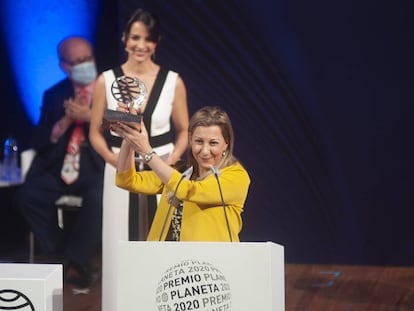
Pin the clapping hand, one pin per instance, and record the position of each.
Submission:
(75, 109)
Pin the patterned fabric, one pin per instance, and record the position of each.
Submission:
(70, 168)
(176, 222)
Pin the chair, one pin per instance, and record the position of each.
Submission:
(65, 203)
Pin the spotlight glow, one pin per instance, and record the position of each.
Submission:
(32, 30)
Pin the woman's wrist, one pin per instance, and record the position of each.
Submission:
(147, 156)
(146, 149)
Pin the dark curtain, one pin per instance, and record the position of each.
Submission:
(319, 94)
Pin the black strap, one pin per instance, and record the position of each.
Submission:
(114, 141)
(118, 72)
(153, 100)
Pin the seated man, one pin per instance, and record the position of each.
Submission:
(66, 163)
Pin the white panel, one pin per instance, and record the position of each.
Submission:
(170, 276)
(31, 286)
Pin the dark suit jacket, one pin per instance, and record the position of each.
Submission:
(48, 155)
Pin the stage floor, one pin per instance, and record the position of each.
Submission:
(345, 288)
(308, 288)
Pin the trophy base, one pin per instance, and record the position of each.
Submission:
(112, 116)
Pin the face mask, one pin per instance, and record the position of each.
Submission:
(84, 73)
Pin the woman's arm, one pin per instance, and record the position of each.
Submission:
(180, 121)
(126, 157)
(96, 137)
(135, 138)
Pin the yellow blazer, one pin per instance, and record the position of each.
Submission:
(203, 214)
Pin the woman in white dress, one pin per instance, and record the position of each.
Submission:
(167, 101)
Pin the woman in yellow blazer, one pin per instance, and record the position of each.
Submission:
(204, 203)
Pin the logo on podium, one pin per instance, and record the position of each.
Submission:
(193, 285)
(11, 299)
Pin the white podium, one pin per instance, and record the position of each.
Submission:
(28, 287)
(200, 276)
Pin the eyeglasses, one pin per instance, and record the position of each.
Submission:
(78, 61)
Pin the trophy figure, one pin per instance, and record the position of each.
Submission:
(131, 91)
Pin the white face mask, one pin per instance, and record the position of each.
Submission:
(84, 73)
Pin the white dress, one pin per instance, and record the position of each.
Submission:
(116, 200)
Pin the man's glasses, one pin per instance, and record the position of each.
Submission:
(78, 61)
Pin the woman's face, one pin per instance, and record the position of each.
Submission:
(137, 43)
(207, 147)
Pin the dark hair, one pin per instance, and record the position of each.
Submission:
(149, 20)
(209, 116)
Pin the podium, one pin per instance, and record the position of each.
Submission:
(201, 276)
(29, 287)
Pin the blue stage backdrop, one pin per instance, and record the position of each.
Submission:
(32, 29)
